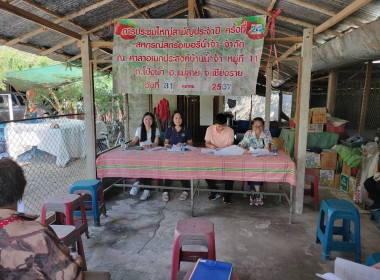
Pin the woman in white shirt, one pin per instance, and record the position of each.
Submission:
(147, 134)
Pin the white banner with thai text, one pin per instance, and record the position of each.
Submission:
(187, 57)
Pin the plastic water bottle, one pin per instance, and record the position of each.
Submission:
(182, 148)
(123, 145)
(275, 150)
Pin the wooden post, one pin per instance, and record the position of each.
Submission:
(331, 91)
(268, 92)
(89, 107)
(367, 86)
(302, 121)
(126, 117)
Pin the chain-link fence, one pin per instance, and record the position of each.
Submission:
(349, 97)
(51, 151)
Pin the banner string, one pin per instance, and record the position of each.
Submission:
(271, 26)
(109, 29)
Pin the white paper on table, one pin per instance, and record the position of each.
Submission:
(233, 150)
(191, 148)
(348, 270)
(259, 152)
(155, 148)
(207, 151)
(174, 148)
(328, 276)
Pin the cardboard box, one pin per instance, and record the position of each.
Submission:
(351, 185)
(346, 170)
(328, 160)
(313, 160)
(318, 115)
(336, 180)
(339, 165)
(326, 178)
(315, 127)
(279, 142)
(344, 182)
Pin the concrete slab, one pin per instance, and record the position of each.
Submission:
(135, 240)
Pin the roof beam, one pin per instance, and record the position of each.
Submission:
(283, 40)
(41, 21)
(144, 13)
(279, 17)
(291, 50)
(271, 5)
(177, 13)
(67, 42)
(353, 7)
(57, 21)
(191, 9)
(212, 10)
(105, 68)
(324, 11)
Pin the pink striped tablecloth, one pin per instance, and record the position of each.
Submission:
(163, 164)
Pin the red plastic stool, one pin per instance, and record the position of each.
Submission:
(311, 177)
(66, 204)
(192, 232)
(69, 235)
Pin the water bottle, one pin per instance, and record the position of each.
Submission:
(123, 145)
(182, 148)
(275, 150)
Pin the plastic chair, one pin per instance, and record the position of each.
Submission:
(372, 259)
(192, 232)
(336, 209)
(69, 235)
(311, 177)
(96, 206)
(65, 204)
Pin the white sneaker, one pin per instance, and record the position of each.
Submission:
(145, 195)
(135, 189)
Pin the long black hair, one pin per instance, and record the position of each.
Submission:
(172, 120)
(152, 129)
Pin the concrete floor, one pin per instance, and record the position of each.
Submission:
(135, 240)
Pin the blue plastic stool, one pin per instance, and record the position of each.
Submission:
(372, 259)
(336, 209)
(97, 203)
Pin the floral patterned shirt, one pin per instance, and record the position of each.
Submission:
(250, 140)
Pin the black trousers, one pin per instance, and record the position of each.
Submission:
(373, 189)
(184, 183)
(227, 186)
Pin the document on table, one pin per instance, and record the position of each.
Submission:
(233, 150)
(207, 151)
(155, 149)
(175, 148)
(347, 270)
(259, 152)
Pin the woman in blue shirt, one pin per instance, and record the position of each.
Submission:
(176, 134)
(257, 138)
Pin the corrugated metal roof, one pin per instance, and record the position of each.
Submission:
(295, 16)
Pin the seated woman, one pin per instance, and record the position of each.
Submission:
(30, 249)
(176, 134)
(372, 185)
(257, 138)
(147, 134)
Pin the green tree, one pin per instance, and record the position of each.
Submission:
(66, 97)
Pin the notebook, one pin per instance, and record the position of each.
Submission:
(209, 269)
